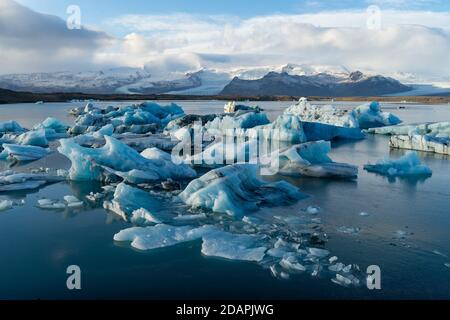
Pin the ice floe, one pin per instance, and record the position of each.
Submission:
(236, 190)
(408, 165)
(14, 181)
(11, 126)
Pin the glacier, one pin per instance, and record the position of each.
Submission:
(408, 165)
(236, 190)
(117, 157)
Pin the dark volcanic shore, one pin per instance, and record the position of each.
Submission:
(8, 96)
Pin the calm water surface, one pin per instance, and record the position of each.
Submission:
(36, 246)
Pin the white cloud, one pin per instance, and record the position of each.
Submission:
(409, 41)
(30, 41)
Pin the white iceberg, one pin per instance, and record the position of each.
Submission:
(426, 143)
(23, 153)
(5, 205)
(236, 190)
(434, 129)
(129, 201)
(408, 165)
(236, 123)
(89, 163)
(322, 114)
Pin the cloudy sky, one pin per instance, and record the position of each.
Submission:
(410, 36)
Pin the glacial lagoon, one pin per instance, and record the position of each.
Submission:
(404, 229)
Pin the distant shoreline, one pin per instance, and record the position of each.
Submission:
(11, 97)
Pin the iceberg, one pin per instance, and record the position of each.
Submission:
(33, 138)
(311, 159)
(322, 114)
(426, 143)
(54, 128)
(235, 190)
(117, 157)
(285, 128)
(315, 131)
(13, 181)
(11, 127)
(232, 107)
(129, 203)
(143, 118)
(5, 205)
(23, 153)
(435, 129)
(239, 121)
(408, 165)
(369, 115)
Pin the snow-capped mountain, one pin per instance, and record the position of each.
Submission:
(354, 84)
(202, 82)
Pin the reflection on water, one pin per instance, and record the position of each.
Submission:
(38, 245)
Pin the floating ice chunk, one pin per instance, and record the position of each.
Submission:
(290, 263)
(232, 107)
(345, 280)
(311, 159)
(153, 164)
(336, 267)
(369, 115)
(239, 121)
(142, 216)
(427, 143)
(313, 210)
(73, 202)
(53, 128)
(51, 204)
(408, 165)
(236, 190)
(160, 236)
(319, 253)
(447, 264)
(364, 214)
(348, 230)
(322, 114)
(23, 153)
(333, 259)
(12, 181)
(95, 196)
(233, 246)
(33, 138)
(285, 128)
(10, 127)
(5, 205)
(433, 129)
(216, 243)
(128, 199)
(190, 217)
